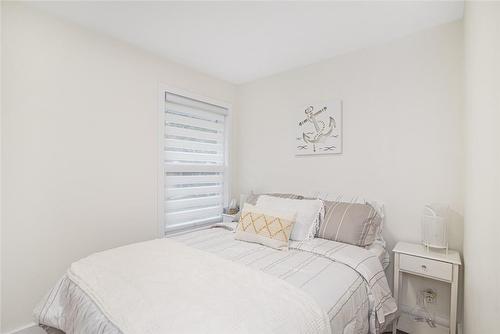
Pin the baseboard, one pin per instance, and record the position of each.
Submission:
(31, 328)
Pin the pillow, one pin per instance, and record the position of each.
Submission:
(353, 223)
(309, 213)
(268, 229)
(252, 198)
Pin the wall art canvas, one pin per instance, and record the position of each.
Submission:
(319, 129)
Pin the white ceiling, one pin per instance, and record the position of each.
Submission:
(243, 41)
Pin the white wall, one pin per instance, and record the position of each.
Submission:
(402, 130)
(482, 118)
(80, 147)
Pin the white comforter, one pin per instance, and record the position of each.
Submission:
(163, 286)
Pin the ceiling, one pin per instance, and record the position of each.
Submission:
(242, 41)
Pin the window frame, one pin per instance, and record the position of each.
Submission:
(163, 89)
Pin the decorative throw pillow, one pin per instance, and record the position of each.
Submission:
(265, 228)
(353, 223)
(309, 213)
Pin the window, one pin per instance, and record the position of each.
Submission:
(194, 162)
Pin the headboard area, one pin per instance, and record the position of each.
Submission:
(377, 205)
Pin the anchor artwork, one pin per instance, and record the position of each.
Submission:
(320, 129)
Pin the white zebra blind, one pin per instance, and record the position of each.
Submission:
(194, 162)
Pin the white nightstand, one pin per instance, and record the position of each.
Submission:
(415, 259)
(227, 218)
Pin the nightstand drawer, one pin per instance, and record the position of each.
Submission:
(422, 266)
(227, 218)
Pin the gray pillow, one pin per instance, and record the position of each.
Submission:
(352, 223)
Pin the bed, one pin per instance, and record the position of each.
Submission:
(224, 286)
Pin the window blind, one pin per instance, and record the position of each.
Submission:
(194, 162)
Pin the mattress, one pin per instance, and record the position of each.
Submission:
(353, 300)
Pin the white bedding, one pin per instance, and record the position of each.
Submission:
(342, 280)
(334, 273)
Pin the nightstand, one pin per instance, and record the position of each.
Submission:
(415, 259)
(227, 218)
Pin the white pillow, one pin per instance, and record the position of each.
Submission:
(308, 216)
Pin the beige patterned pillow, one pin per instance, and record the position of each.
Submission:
(265, 228)
(352, 223)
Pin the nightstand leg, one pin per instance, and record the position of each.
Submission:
(454, 300)
(396, 291)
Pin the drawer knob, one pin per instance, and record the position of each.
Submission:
(424, 267)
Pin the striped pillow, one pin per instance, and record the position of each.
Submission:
(352, 223)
